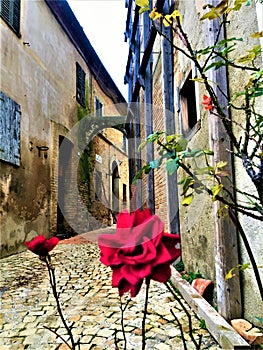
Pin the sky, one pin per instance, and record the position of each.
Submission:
(104, 22)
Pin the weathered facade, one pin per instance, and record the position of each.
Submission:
(51, 82)
(161, 77)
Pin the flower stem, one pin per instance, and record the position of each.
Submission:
(145, 313)
(52, 279)
(123, 308)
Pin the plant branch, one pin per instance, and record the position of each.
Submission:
(52, 278)
(145, 313)
(181, 329)
(172, 289)
(236, 222)
(58, 335)
(122, 321)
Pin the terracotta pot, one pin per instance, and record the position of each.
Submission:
(204, 288)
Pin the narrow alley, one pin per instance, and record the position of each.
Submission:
(88, 300)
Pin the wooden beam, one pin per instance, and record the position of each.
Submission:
(217, 326)
(225, 234)
(148, 118)
(169, 125)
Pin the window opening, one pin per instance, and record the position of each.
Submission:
(98, 107)
(188, 105)
(80, 85)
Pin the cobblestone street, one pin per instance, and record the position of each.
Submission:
(88, 300)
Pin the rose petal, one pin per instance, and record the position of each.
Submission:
(161, 273)
(42, 246)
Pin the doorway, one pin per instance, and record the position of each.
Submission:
(65, 150)
(115, 188)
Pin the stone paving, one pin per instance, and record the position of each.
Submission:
(27, 305)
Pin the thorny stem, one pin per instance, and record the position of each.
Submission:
(220, 198)
(122, 321)
(229, 63)
(172, 289)
(181, 329)
(239, 208)
(145, 312)
(236, 222)
(52, 279)
(58, 335)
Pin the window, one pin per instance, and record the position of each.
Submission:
(9, 130)
(10, 13)
(80, 85)
(98, 107)
(188, 105)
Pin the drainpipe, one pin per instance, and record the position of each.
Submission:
(225, 234)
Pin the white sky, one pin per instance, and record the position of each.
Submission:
(104, 22)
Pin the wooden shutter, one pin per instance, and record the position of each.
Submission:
(80, 85)
(10, 13)
(9, 130)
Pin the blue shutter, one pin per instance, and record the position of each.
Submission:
(9, 130)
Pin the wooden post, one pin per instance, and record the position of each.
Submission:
(226, 242)
(169, 124)
(148, 113)
(137, 119)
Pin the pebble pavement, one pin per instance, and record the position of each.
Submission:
(27, 305)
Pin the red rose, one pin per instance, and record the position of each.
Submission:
(139, 249)
(207, 102)
(42, 246)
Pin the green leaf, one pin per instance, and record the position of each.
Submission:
(202, 171)
(237, 268)
(142, 145)
(257, 92)
(210, 15)
(198, 152)
(154, 164)
(142, 3)
(188, 200)
(216, 190)
(145, 169)
(172, 165)
(259, 318)
(205, 51)
(144, 9)
(215, 65)
(257, 34)
(187, 184)
(221, 164)
(182, 144)
(208, 152)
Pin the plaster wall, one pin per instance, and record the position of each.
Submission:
(253, 228)
(34, 76)
(38, 71)
(196, 220)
